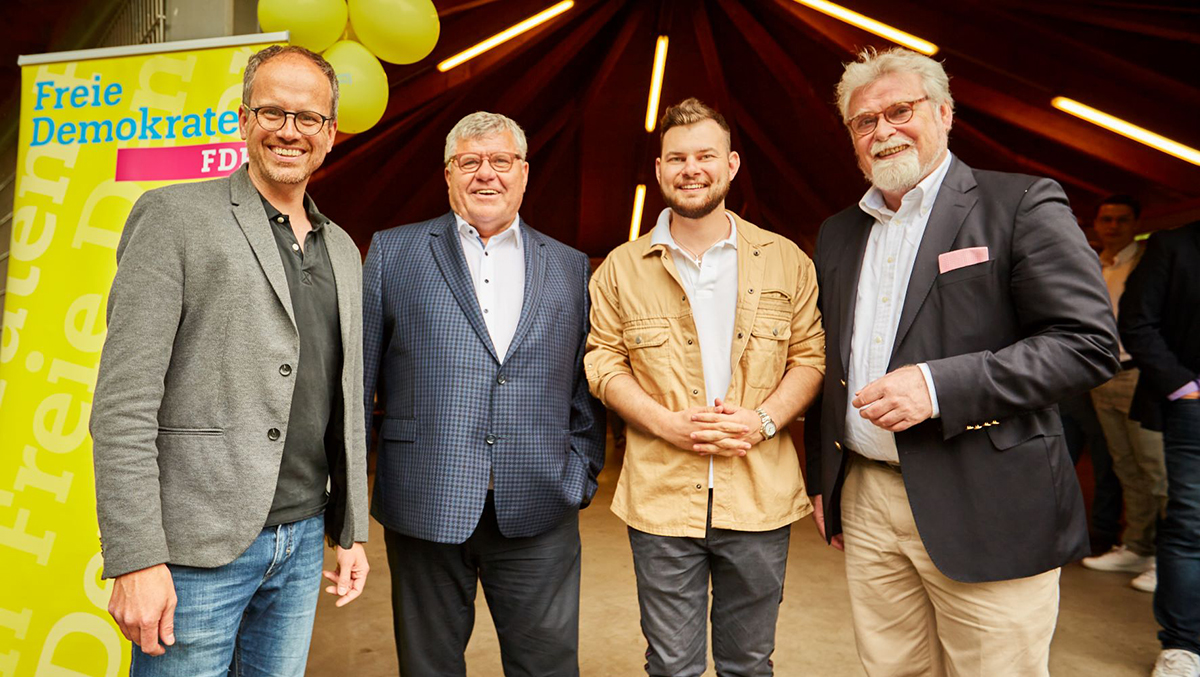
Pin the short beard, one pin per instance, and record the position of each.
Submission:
(717, 194)
(284, 177)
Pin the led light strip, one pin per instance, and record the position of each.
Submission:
(506, 35)
(1126, 129)
(872, 26)
(656, 80)
(635, 223)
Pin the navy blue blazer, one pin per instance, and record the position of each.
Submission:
(455, 411)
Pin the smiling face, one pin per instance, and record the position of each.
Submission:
(285, 156)
(696, 168)
(895, 158)
(485, 198)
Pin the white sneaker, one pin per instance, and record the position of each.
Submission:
(1176, 663)
(1119, 558)
(1146, 581)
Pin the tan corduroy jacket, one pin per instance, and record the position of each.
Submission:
(642, 325)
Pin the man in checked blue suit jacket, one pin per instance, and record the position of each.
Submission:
(475, 326)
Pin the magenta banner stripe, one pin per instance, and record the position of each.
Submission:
(179, 163)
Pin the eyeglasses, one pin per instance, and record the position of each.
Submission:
(469, 163)
(896, 114)
(273, 118)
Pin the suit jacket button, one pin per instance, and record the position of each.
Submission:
(490, 439)
(285, 369)
(838, 445)
(501, 379)
(843, 383)
(273, 434)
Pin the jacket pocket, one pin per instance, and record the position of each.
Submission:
(649, 347)
(776, 304)
(966, 273)
(1023, 427)
(399, 429)
(766, 352)
(171, 430)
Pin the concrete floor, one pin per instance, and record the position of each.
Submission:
(1105, 628)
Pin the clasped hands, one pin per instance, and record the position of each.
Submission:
(721, 430)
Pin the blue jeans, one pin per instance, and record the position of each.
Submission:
(253, 616)
(1177, 598)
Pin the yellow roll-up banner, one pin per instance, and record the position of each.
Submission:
(98, 128)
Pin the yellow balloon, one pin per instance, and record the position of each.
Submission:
(362, 86)
(314, 24)
(397, 31)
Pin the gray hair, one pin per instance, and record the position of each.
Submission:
(266, 54)
(872, 65)
(481, 124)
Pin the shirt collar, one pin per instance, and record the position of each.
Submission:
(1124, 255)
(662, 233)
(513, 231)
(923, 195)
(316, 218)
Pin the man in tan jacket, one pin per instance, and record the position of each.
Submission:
(706, 339)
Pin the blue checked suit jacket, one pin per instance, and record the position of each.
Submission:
(455, 411)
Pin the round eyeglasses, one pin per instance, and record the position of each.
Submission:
(896, 114)
(273, 118)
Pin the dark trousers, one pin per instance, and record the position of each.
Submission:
(532, 590)
(1080, 428)
(1177, 598)
(747, 570)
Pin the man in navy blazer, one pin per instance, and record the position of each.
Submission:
(475, 329)
(1161, 329)
(959, 306)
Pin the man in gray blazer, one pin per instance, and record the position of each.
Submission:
(959, 306)
(228, 398)
(475, 325)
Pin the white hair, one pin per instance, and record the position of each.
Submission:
(872, 65)
(481, 124)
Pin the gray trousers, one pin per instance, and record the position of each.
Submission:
(532, 590)
(747, 571)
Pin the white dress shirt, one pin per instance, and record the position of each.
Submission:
(498, 271)
(882, 286)
(711, 285)
(1115, 274)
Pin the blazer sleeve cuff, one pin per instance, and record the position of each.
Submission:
(933, 400)
(1187, 389)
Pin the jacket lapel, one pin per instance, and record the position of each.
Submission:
(250, 215)
(849, 266)
(954, 202)
(448, 253)
(535, 272)
(346, 269)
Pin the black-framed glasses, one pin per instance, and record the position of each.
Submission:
(469, 163)
(273, 118)
(896, 114)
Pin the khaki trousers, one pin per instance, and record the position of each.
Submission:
(1137, 460)
(910, 619)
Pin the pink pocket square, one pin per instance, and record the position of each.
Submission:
(961, 258)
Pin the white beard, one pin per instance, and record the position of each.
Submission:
(903, 172)
(898, 174)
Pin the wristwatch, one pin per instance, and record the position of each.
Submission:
(768, 429)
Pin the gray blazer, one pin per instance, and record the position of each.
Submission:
(191, 405)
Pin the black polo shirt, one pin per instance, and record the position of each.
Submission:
(316, 411)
